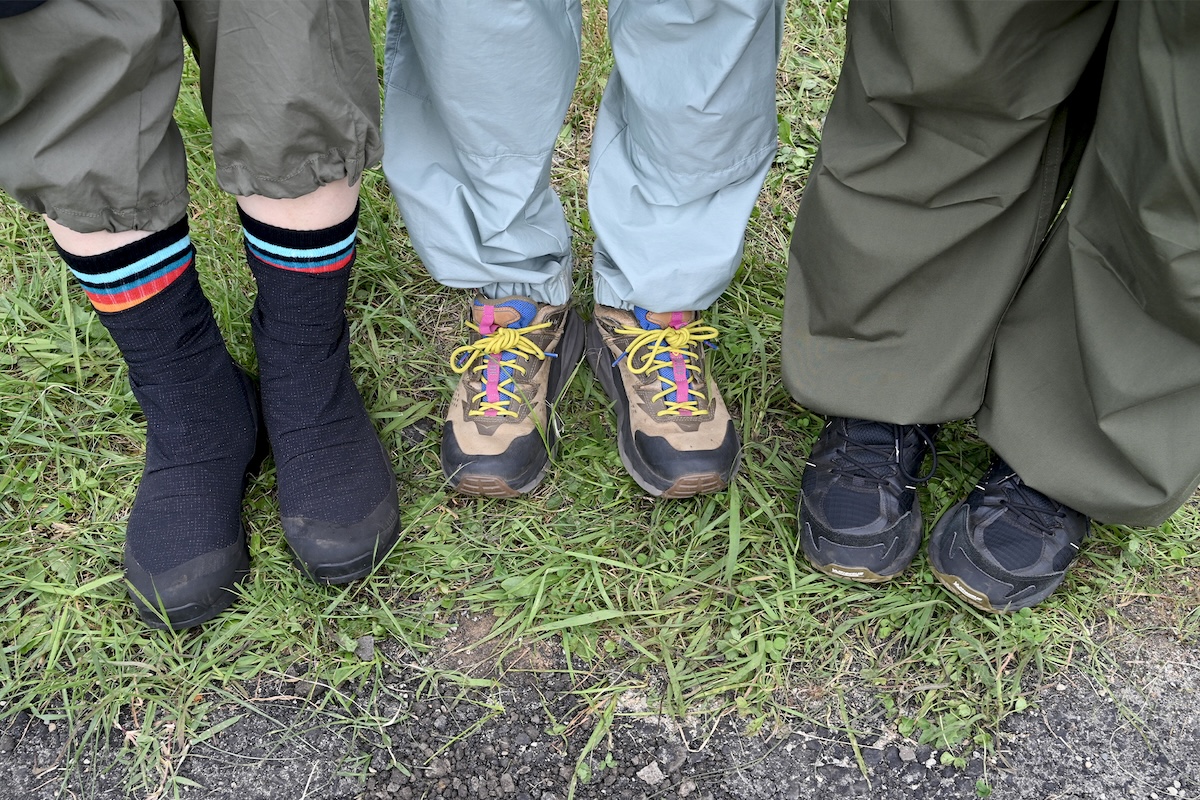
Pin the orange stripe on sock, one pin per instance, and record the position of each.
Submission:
(137, 295)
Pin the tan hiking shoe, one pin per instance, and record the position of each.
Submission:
(501, 427)
(674, 433)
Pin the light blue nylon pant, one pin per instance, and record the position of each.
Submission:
(476, 93)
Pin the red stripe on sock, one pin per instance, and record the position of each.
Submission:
(334, 267)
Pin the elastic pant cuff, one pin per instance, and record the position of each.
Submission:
(554, 291)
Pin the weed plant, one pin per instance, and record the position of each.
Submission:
(703, 605)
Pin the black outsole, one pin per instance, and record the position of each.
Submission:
(331, 574)
(381, 528)
(217, 597)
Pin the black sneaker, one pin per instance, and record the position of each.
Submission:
(1007, 546)
(185, 547)
(859, 516)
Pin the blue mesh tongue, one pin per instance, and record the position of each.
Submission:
(526, 311)
(1024, 492)
(666, 374)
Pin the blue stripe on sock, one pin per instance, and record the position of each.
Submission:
(297, 265)
(125, 287)
(117, 275)
(277, 253)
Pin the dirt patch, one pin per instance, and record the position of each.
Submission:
(530, 733)
(471, 648)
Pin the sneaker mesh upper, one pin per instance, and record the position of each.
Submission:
(849, 510)
(854, 506)
(1016, 539)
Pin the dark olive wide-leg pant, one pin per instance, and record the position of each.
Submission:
(933, 278)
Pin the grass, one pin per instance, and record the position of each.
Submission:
(702, 605)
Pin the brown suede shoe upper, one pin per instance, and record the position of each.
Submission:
(675, 399)
(503, 392)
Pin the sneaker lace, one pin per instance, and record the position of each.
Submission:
(501, 351)
(888, 454)
(677, 344)
(1043, 513)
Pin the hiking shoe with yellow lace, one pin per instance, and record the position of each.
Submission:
(673, 432)
(501, 428)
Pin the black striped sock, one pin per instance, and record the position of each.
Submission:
(331, 466)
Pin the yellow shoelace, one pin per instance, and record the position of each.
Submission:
(504, 340)
(674, 341)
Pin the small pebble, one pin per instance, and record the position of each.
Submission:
(651, 774)
(506, 784)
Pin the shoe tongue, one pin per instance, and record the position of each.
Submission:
(1038, 500)
(514, 312)
(876, 433)
(672, 372)
(657, 320)
(490, 316)
(1045, 509)
(1027, 494)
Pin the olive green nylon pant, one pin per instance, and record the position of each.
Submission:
(932, 277)
(88, 90)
